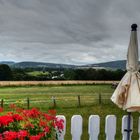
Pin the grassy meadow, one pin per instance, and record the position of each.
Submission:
(37, 73)
(67, 103)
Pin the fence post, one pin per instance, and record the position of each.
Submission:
(100, 99)
(54, 101)
(2, 102)
(79, 101)
(110, 127)
(124, 127)
(93, 127)
(28, 103)
(76, 127)
(61, 134)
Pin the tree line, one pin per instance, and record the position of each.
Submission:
(17, 74)
(94, 74)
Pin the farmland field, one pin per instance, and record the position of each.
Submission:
(57, 82)
(37, 73)
(67, 103)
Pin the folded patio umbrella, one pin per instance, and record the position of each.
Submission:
(127, 93)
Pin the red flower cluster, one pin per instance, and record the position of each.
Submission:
(13, 135)
(29, 125)
(33, 113)
(5, 120)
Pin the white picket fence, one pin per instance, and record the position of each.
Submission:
(94, 127)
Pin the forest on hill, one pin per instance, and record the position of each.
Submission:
(42, 74)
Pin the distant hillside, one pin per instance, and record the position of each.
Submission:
(40, 64)
(120, 64)
(7, 62)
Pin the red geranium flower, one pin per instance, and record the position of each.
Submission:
(17, 117)
(22, 134)
(1, 109)
(5, 120)
(12, 106)
(29, 124)
(10, 135)
(37, 137)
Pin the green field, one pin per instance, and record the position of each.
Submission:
(67, 103)
(37, 73)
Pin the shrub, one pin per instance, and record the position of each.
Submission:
(21, 124)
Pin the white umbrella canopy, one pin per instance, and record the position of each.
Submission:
(127, 93)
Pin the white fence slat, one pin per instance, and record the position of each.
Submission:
(93, 127)
(110, 127)
(124, 126)
(139, 128)
(62, 134)
(76, 127)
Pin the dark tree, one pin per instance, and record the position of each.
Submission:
(69, 74)
(5, 72)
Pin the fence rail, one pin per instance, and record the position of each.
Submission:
(78, 100)
(94, 127)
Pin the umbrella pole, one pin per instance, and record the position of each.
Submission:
(129, 125)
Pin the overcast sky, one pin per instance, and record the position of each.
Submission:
(66, 31)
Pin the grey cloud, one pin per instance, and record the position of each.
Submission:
(69, 31)
(60, 22)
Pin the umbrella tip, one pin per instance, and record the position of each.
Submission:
(134, 27)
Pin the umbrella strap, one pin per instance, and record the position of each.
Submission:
(138, 80)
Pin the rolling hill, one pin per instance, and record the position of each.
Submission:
(30, 64)
(120, 64)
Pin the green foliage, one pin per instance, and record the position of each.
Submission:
(93, 74)
(5, 72)
(69, 74)
(31, 74)
(22, 75)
